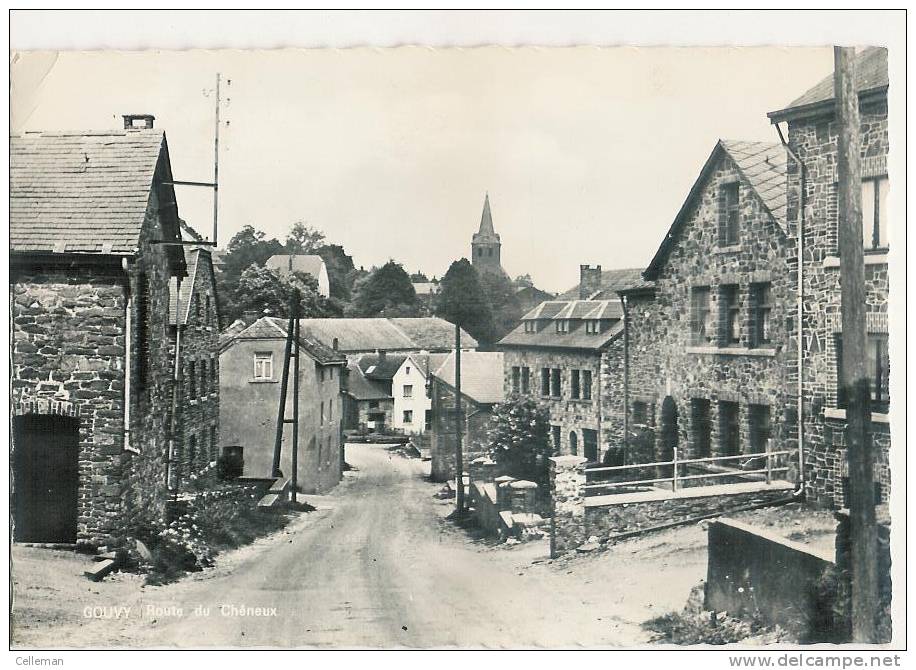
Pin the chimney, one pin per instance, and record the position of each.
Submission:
(381, 355)
(138, 121)
(249, 316)
(589, 281)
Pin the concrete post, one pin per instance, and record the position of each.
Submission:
(567, 503)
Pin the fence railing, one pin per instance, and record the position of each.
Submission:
(768, 469)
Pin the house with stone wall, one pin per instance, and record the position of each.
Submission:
(568, 354)
(707, 346)
(811, 215)
(250, 375)
(91, 365)
(194, 329)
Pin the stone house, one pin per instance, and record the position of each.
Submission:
(481, 390)
(250, 372)
(194, 329)
(367, 403)
(91, 370)
(812, 209)
(568, 355)
(706, 341)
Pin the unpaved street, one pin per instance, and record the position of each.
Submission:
(378, 566)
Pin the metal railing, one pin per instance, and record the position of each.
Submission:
(675, 464)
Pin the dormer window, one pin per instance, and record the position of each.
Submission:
(593, 326)
(531, 327)
(562, 325)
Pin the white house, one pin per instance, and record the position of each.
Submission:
(406, 374)
(309, 264)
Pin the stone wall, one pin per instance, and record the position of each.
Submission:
(476, 422)
(568, 528)
(665, 361)
(814, 140)
(571, 415)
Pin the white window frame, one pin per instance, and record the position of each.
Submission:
(260, 358)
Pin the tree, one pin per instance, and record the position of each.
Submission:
(462, 300)
(246, 247)
(303, 239)
(341, 271)
(504, 304)
(519, 439)
(524, 281)
(386, 289)
(261, 290)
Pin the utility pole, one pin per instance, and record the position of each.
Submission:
(284, 385)
(863, 530)
(459, 456)
(295, 455)
(216, 165)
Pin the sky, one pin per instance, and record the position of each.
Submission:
(587, 153)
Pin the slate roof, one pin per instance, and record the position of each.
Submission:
(361, 388)
(481, 375)
(611, 282)
(271, 327)
(375, 366)
(432, 333)
(180, 304)
(82, 192)
(762, 165)
(308, 264)
(358, 335)
(578, 312)
(871, 77)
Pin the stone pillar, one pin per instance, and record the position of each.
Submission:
(503, 492)
(482, 469)
(524, 494)
(567, 503)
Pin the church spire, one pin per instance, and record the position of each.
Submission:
(486, 219)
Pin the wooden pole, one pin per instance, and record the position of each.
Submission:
(294, 482)
(459, 456)
(281, 411)
(863, 531)
(216, 165)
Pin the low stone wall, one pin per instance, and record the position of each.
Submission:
(624, 517)
(755, 573)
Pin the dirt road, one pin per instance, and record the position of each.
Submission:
(376, 566)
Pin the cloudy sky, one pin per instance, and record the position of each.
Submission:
(587, 153)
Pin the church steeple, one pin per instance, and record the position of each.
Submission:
(485, 244)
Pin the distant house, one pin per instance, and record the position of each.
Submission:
(250, 371)
(597, 284)
(91, 367)
(404, 378)
(426, 293)
(194, 328)
(481, 390)
(530, 297)
(309, 264)
(367, 403)
(366, 336)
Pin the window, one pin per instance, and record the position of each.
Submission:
(592, 326)
(699, 315)
(263, 365)
(408, 416)
(555, 383)
(874, 212)
(562, 325)
(516, 379)
(575, 388)
(373, 404)
(408, 390)
(407, 370)
(531, 327)
(526, 381)
(330, 410)
(590, 444)
(555, 432)
(545, 382)
(760, 321)
(728, 223)
(731, 313)
(321, 416)
(321, 374)
(428, 420)
(729, 429)
(192, 380)
(700, 427)
(586, 384)
(204, 380)
(573, 443)
(640, 413)
(878, 371)
(759, 430)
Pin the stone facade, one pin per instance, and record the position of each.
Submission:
(567, 496)
(814, 140)
(475, 419)
(726, 368)
(78, 338)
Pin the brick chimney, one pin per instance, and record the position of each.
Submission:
(589, 281)
(138, 121)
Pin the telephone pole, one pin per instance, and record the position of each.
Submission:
(459, 456)
(863, 530)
